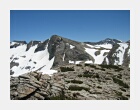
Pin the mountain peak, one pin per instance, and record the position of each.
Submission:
(55, 36)
(32, 43)
(16, 43)
(108, 39)
(20, 42)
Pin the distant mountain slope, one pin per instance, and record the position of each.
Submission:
(57, 51)
(118, 55)
(106, 41)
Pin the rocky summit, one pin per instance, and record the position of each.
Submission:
(74, 82)
(63, 69)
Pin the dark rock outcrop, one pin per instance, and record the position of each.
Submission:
(110, 55)
(32, 43)
(60, 47)
(13, 64)
(126, 61)
(42, 46)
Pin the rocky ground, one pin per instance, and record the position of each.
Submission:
(74, 82)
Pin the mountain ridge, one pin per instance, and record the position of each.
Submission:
(127, 41)
(63, 51)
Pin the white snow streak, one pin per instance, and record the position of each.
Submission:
(74, 62)
(107, 61)
(90, 45)
(108, 46)
(71, 61)
(77, 62)
(128, 52)
(89, 62)
(71, 46)
(63, 56)
(120, 53)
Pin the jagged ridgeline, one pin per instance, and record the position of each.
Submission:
(64, 69)
(58, 51)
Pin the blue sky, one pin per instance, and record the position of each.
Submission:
(80, 25)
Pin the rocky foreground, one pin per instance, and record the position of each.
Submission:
(74, 82)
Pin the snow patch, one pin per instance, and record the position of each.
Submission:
(77, 62)
(67, 43)
(71, 61)
(71, 46)
(38, 61)
(99, 58)
(63, 56)
(74, 62)
(89, 62)
(13, 43)
(90, 45)
(107, 46)
(18, 51)
(107, 61)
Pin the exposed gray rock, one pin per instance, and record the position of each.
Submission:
(28, 67)
(11, 72)
(32, 43)
(126, 61)
(38, 96)
(110, 55)
(59, 47)
(12, 64)
(91, 82)
(42, 46)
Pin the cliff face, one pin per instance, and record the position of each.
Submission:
(65, 50)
